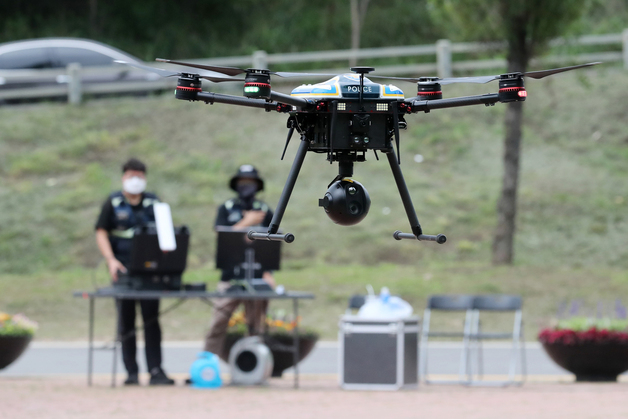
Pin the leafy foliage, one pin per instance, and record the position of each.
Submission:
(204, 28)
(581, 324)
(277, 324)
(16, 325)
(585, 329)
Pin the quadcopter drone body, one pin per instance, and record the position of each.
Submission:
(346, 117)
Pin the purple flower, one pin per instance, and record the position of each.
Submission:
(620, 309)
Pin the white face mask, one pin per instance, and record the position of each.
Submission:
(134, 185)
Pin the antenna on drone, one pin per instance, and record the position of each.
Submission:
(362, 71)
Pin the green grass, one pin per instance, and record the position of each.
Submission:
(58, 163)
(47, 298)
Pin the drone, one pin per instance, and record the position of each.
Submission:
(344, 118)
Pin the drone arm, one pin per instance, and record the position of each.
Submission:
(209, 97)
(290, 100)
(428, 105)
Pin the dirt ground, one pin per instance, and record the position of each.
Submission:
(318, 397)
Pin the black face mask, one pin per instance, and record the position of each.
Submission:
(246, 193)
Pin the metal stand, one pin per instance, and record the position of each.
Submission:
(116, 340)
(182, 296)
(249, 264)
(295, 308)
(90, 347)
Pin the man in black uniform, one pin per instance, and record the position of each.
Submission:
(240, 212)
(121, 213)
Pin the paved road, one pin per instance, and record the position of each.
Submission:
(67, 358)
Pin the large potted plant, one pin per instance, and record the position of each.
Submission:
(278, 337)
(592, 349)
(16, 333)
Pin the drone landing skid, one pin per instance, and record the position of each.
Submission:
(288, 238)
(417, 232)
(345, 169)
(439, 238)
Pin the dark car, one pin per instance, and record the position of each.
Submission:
(37, 68)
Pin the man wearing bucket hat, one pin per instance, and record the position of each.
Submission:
(243, 211)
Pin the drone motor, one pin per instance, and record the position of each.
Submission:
(511, 88)
(346, 202)
(257, 84)
(188, 87)
(429, 89)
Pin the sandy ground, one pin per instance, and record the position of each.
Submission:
(318, 397)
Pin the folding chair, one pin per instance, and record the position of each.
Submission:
(499, 303)
(450, 303)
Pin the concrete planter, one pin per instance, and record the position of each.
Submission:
(11, 347)
(590, 361)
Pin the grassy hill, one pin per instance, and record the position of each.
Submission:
(58, 163)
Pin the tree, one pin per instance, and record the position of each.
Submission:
(358, 13)
(527, 26)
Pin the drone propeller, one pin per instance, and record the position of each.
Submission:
(167, 73)
(544, 73)
(234, 71)
(485, 79)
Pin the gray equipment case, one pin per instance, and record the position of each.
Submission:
(378, 354)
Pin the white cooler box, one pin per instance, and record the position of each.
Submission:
(378, 354)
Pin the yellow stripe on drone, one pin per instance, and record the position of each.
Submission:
(384, 94)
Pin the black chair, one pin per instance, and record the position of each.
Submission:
(447, 303)
(499, 303)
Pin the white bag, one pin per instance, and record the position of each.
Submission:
(384, 306)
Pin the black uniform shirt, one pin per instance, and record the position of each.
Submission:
(109, 221)
(106, 219)
(231, 212)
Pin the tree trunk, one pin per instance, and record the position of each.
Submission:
(358, 11)
(518, 57)
(94, 29)
(503, 243)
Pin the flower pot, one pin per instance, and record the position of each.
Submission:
(590, 361)
(280, 346)
(11, 347)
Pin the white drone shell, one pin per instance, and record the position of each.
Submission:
(347, 86)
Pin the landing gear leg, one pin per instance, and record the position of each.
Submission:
(283, 200)
(417, 231)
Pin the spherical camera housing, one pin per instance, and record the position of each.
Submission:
(346, 202)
